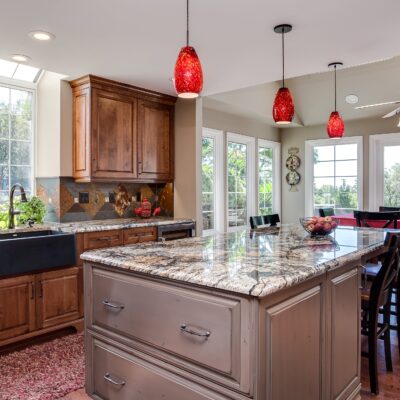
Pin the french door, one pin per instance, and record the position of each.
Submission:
(384, 185)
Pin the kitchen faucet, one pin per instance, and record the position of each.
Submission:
(11, 211)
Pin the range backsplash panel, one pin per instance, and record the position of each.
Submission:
(60, 195)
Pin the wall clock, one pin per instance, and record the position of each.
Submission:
(293, 162)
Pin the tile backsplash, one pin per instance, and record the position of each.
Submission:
(105, 200)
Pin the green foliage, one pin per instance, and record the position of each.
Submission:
(392, 186)
(33, 210)
(3, 216)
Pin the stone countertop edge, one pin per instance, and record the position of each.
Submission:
(98, 225)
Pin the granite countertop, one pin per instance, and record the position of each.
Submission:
(254, 263)
(99, 225)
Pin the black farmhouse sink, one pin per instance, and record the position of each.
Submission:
(25, 252)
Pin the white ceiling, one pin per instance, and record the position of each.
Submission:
(137, 41)
(314, 95)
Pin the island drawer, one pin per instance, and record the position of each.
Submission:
(98, 240)
(116, 374)
(203, 330)
(140, 235)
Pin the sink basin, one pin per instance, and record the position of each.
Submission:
(25, 252)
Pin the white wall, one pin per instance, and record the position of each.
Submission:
(53, 148)
(293, 203)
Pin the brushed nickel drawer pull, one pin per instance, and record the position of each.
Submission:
(110, 304)
(108, 378)
(185, 329)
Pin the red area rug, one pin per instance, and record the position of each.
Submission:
(45, 371)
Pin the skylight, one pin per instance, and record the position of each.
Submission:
(13, 70)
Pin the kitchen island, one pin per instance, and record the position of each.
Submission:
(270, 314)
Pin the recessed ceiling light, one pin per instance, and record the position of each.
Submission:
(352, 99)
(41, 35)
(21, 58)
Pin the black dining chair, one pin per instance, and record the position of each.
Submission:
(389, 217)
(326, 212)
(262, 220)
(376, 297)
(384, 208)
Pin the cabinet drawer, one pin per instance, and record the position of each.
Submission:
(140, 235)
(200, 328)
(98, 240)
(118, 375)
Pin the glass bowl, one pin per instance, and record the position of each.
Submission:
(319, 226)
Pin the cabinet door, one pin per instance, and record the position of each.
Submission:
(155, 130)
(81, 137)
(114, 140)
(58, 296)
(17, 306)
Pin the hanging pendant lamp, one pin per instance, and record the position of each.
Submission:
(335, 126)
(188, 74)
(283, 108)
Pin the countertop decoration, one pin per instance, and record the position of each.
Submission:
(256, 265)
(293, 162)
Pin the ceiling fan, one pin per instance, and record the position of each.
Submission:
(396, 111)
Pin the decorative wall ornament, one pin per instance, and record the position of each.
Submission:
(293, 162)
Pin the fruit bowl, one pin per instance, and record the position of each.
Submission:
(319, 226)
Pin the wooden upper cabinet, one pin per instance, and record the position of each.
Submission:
(155, 141)
(114, 135)
(121, 132)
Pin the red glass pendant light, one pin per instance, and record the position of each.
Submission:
(335, 126)
(283, 108)
(188, 74)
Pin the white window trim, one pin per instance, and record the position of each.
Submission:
(219, 186)
(376, 168)
(250, 190)
(29, 87)
(276, 178)
(309, 170)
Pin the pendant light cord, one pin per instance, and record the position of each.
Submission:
(187, 22)
(335, 90)
(283, 58)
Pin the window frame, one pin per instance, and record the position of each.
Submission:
(377, 144)
(218, 138)
(251, 157)
(309, 168)
(29, 87)
(276, 174)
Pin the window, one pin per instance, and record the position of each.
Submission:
(384, 171)
(211, 179)
(268, 177)
(334, 175)
(240, 180)
(16, 139)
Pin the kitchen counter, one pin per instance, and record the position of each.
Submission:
(100, 225)
(269, 314)
(257, 264)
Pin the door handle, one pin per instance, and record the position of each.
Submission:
(114, 381)
(185, 329)
(110, 304)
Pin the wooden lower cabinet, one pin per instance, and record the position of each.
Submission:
(17, 306)
(31, 305)
(149, 338)
(58, 297)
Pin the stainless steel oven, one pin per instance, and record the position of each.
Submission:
(176, 231)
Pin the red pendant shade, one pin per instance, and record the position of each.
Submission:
(188, 73)
(283, 109)
(335, 127)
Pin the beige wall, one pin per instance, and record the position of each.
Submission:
(238, 124)
(293, 203)
(54, 127)
(187, 159)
